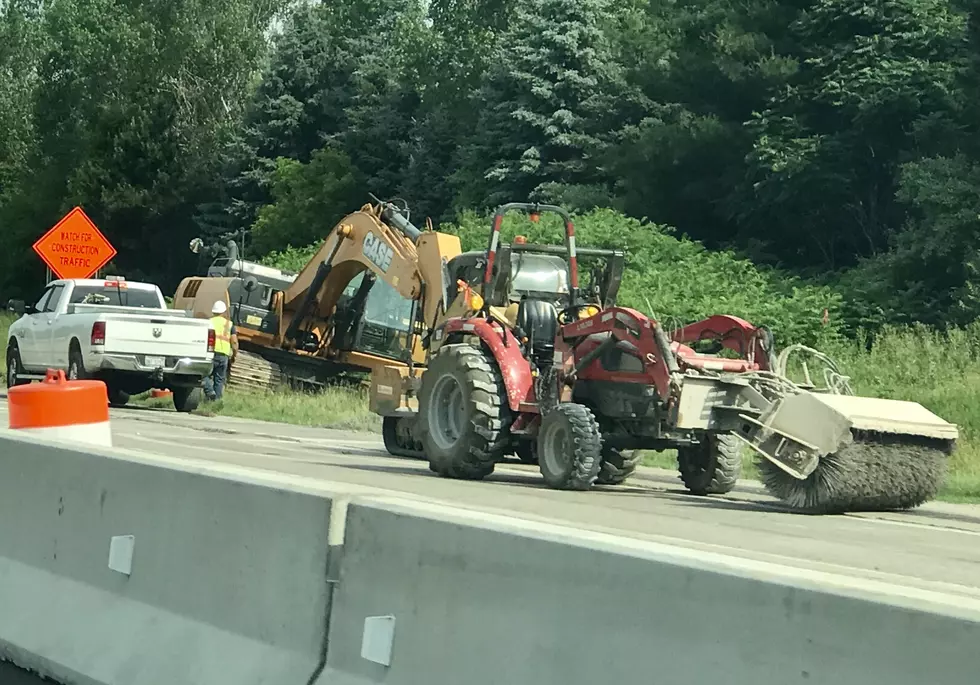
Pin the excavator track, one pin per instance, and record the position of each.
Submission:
(874, 472)
(399, 443)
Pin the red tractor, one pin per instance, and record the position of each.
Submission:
(577, 383)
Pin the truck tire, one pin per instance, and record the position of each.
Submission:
(76, 365)
(117, 397)
(617, 466)
(464, 418)
(569, 447)
(711, 467)
(187, 399)
(14, 368)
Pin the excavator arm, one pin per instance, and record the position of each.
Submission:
(379, 239)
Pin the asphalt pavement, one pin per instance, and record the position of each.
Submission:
(934, 547)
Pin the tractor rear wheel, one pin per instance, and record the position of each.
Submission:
(569, 447)
(617, 466)
(711, 467)
(464, 417)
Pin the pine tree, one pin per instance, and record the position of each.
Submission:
(544, 107)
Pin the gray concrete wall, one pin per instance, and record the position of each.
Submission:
(478, 600)
(229, 585)
(228, 579)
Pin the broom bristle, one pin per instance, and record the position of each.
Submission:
(880, 473)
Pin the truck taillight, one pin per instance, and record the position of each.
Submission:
(211, 338)
(98, 333)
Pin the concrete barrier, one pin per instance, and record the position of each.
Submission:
(126, 569)
(222, 581)
(481, 599)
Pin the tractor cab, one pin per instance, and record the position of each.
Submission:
(535, 289)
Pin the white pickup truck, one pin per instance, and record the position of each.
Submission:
(119, 332)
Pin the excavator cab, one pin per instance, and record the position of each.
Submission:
(374, 318)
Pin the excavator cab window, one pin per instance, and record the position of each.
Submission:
(373, 318)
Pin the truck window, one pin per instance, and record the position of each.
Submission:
(42, 303)
(52, 302)
(116, 297)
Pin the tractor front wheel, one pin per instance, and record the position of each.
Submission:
(569, 447)
(711, 467)
(617, 466)
(463, 413)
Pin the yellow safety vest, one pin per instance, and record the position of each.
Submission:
(222, 335)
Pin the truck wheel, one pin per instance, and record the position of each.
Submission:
(617, 466)
(569, 447)
(711, 467)
(187, 399)
(76, 365)
(463, 413)
(14, 368)
(118, 397)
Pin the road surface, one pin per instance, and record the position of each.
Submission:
(934, 547)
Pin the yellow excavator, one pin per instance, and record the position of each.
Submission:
(363, 302)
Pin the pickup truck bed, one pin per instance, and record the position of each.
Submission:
(120, 333)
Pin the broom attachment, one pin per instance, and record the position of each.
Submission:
(824, 450)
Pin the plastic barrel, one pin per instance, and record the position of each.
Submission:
(72, 411)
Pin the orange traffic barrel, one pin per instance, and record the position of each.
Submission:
(76, 411)
(158, 393)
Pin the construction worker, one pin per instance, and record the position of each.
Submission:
(225, 350)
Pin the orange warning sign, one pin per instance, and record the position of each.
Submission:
(74, 248)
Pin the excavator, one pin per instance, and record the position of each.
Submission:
(361, 303)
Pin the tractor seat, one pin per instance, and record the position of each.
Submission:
(538, 319)
(688, 358)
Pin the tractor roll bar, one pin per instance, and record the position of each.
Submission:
(533, 208)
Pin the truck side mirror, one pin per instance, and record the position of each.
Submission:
(18, 307)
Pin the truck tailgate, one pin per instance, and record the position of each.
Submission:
(157, 335)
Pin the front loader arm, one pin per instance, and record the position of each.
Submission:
(751, 343)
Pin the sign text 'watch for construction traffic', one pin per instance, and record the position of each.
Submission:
(74, 248)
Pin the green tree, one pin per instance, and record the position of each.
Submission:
(336, 77)
(874, 80)
(546, 107)
(309, 200)
(132, 101)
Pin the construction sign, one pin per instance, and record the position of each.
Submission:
(74, 248)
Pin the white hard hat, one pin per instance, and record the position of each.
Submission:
(219, 307)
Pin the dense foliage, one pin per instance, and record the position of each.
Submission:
(834, 140)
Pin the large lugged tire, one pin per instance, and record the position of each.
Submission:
(617, 466)
(711, 467)
(569, 447)
(464, 418)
